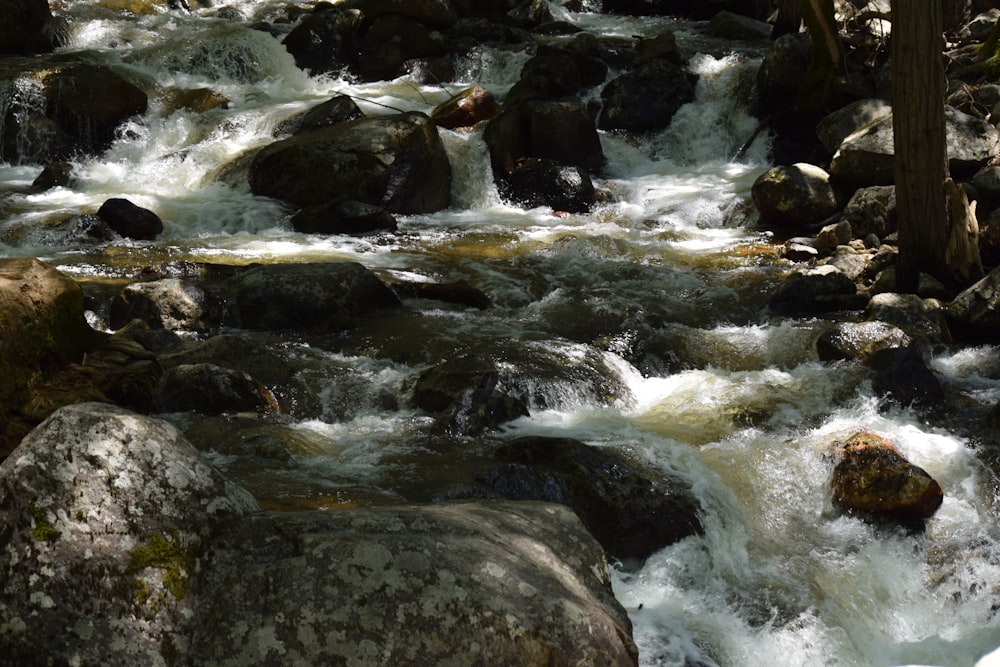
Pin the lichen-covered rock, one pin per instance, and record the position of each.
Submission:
(105, 515)
(397, 162)
(874, 478)
(922, 319)
(448, 584)
(794, 196)
(304, 296)
(871, 211)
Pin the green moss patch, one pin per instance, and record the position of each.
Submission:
(165, 553)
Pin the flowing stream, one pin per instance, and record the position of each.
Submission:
(665, 287)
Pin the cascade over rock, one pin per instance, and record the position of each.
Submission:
(397, 162)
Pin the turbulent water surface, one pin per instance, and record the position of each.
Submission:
(744, 411)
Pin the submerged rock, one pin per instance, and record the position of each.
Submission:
(872, 477)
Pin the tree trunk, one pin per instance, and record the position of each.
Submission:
(919, 140)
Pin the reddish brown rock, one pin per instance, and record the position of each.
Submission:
(874, 478)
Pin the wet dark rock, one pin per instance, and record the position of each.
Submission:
(555, 72)
(393, 40)
(631, 510)
(795, 197)
(859, 340)
(646, 98)
(398, 584)
(338, 109)
(460, 293)
(304, 296)
(397, 162)
(819, 289)
(29, 28)
(343, 217)
(558, 130)
(43, 328)
(467, 396)
(662, 46)
(535, 182)
(976, 311)
(902, 377)
(210, 389)
(106, 514)
(170, 303)
(88, 229)
(487, 9)
(54, 175)
(466, 108)
(130, 220)
(235, 351)
(873, 478)
(90, 102)
(328, 40)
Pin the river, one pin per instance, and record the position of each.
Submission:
(744, 411)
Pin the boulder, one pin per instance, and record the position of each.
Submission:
(922, 319)
(303, 296)
(466, 108)
(393, 40)
(630, 510)
(661, 46)
(129, 220)
(210, 389)
(343, 217)
(729, 25)
(29, 27)
(536, 182)
(815, 290)
(89, 103)
(327, 40)
(858, 340)
(466, 396)
(797, 196)
(516, 583)
(872, 477)
(976, 310)
(397, 162)
(122, 546)
(555, 72)
(871, 211)
(845, 121)
(865, 157)
(558, 130)
(54, 175)
(42, 329)
(646, 98)
(169, 303)
(782, 70)
(106, 516)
